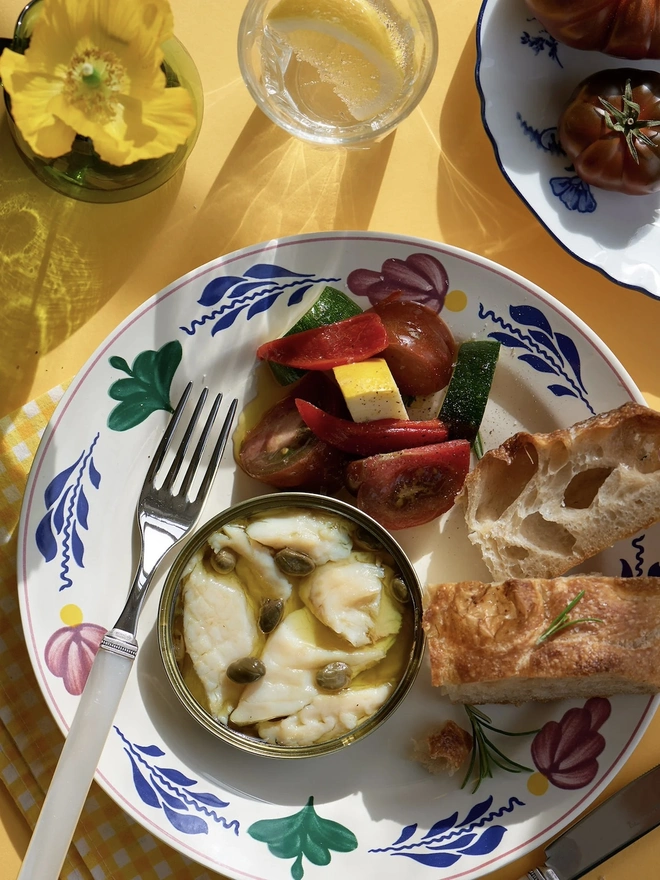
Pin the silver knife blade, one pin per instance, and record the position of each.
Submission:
(619, 821)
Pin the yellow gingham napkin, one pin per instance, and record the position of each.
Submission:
(107, 842)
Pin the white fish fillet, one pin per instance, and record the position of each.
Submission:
(294, 652)
(219, 627)
(346, 596)
(321, 536)
(326, 717)
(270, 580)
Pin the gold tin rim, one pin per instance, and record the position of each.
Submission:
(167, 604)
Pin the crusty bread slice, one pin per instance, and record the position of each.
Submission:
(483, 639)
(542, 503)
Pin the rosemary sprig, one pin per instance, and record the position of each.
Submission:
(561, 621)
(485, 753)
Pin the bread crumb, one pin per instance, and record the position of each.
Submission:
(443, 750)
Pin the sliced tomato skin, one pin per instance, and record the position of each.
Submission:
(282, 452)
(370, 438)
(421, 348)
(332, 345)
(412, 487)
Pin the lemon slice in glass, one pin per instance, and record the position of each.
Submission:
(356, 47)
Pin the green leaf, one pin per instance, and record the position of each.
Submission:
(303, 834)
(297, 870)
(148, 388)
(120, 364)
(338, 837)
(132, 412)
(168, 359)
(144, 367)
(122, 389)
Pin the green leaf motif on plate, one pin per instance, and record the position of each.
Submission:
(303, 834)
(147, 388)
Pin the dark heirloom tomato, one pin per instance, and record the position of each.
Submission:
(611, 130)
(625, 28)
(421, 348)
(411, 487)
(281, 451)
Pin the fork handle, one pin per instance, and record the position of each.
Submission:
(79, 759)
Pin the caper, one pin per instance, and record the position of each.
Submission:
(246, 670)
(334, 676)
(364, 540)
(295, 563)
(223, 561)
(270, 614)
(399, 589)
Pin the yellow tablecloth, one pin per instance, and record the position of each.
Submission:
(69, 272)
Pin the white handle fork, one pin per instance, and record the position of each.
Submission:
(79, 759)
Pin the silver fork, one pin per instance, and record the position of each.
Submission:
(164, 517)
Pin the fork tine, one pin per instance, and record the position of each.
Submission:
(164, 444)
(175, 467)
(217, 453)
(199, 449)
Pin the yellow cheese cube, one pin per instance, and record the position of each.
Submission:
(370, 391)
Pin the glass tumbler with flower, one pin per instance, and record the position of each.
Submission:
(103, 102)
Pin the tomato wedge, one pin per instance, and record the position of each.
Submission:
(281, 451)
(370, 438)
(421, 348)
(411, 487)
(322, 348)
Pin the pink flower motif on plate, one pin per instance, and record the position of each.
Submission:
(420, 277)
(565, 751)
(70, 652)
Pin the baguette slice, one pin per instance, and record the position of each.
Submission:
(542, 503)
(483, 639)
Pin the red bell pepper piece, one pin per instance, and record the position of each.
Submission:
(322, 348)
(370, 438)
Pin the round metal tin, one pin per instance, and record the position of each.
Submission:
(170, 597)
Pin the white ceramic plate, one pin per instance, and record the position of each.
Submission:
(369, 811)
(524, 78)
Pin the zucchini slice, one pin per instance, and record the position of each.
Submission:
(467, 394)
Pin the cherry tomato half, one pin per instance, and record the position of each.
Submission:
(625, 160)
(283, 452)
(421, 348)
(411, 487)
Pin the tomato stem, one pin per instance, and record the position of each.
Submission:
(627, 122)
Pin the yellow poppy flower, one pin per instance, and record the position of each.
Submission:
(93, 67)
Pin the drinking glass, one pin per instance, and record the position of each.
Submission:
(339, 72)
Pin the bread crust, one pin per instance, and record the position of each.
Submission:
(541, 504)
(444, 749)
(483, 638)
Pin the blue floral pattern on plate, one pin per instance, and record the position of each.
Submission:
(67, 511)
(541, 42)
(573, 192)
(253, 292)
(169, 790)
(627, 569)
(545, 350)
(450, 839)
